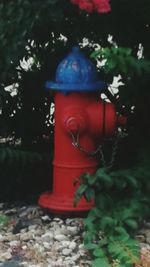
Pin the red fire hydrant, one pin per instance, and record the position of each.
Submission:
(82, 120)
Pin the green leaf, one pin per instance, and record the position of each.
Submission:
(91, 246)
(99, 253)
(90, 227)
(81, 189)
(104, 177)
(103, 242)
(126, 213)
(89, 194)
(126, 251)
(121, 230)
(132, 181)
(121, 238)
(88, 238)
(132, 224)
(101, 262)
(79, 193)
(107, 223)
(95, 213)
(103, 201)
(92, 179)
(95, 54)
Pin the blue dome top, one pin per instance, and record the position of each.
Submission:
(76, 73)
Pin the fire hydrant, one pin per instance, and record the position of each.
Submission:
(82, 120)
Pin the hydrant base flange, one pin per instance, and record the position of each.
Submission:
(63, 205)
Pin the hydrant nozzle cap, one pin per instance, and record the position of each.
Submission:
(72, 125)
(76, 73)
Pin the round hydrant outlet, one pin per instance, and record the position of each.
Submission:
(82, 120)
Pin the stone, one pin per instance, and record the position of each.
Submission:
(73, 230)
(5, 256)
(1, 237)
(65, 243)
(24, 247)
(60, 237)
(140, 238)
(14, 243)
(148, 239)
(46, 218)
(69, 262)
(75, 257)
(59, 262)
(24, 264)
(10, 211)
(143, 245)
(1, 205)
(81, 246)
(46, 245)
(26, 236)
(72, 245)
(66, 251)
(23, 231)
(39, 247)
(9, 237)
(58, 220)
(147, 225)
(69, 221)
(32, 227)
(61, 231)
(11, 263)
(47, 237)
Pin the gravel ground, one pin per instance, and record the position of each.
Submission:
(31, 238)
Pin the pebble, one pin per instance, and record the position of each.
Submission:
(46, 218)
(10, 263)
(72, 245)
(46, 245)
(66, 251)
(5, 256)
(14, 243)
(32, 227)
(60, 237)
(47, 237)
(140, 238)
(65, 243)
(10, 211)
(9, 237)
(148, 239)
(1, 237)
(26, 236)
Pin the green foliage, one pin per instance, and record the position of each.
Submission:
(121, 61)
(16, 156)
(21, 22)
(121, 204)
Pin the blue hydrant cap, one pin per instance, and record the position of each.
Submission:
(76, 73)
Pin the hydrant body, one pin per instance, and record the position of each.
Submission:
(80, 116)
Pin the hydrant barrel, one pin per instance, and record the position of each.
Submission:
(82, 120)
